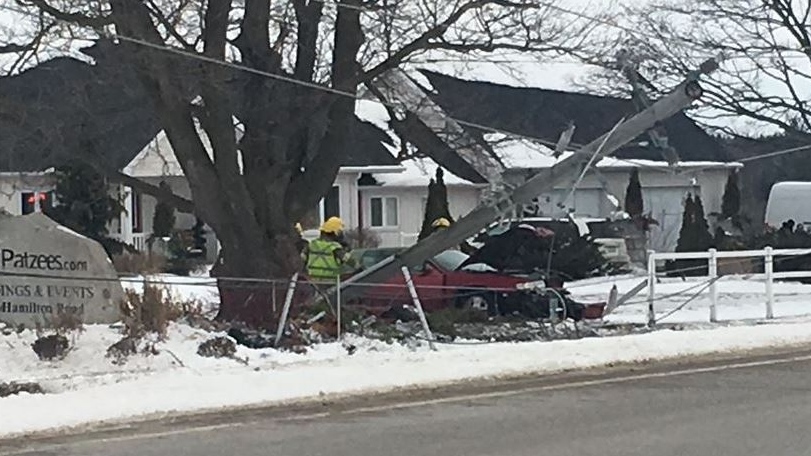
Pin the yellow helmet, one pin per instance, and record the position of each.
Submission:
(299, 228)
(441, 222)
(333, 225)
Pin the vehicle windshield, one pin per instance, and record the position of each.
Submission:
(450, 260)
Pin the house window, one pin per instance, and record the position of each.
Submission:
(35, 201)
(137, 213)
(384, 212)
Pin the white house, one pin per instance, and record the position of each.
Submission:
(397, 203)
(389, 200)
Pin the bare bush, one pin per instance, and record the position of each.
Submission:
(67, 322)
(218, 347)
(151, 311)
(139, 263)
(53, 347)
(148, 312)
(120, 351)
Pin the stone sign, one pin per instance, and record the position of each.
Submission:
(47, 269)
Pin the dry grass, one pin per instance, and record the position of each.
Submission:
(153, 310)
(67, 322)
(139, 263)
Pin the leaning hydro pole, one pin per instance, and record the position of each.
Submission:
(400, 90)
(508, 199)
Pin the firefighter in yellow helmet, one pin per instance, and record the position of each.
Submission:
(327, 254)
(440, 224)
(443, 223)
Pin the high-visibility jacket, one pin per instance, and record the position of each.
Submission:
(322, 262)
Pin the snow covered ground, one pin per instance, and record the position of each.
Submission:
(87, 388)
(738, 299)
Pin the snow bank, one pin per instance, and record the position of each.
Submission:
(86, 388)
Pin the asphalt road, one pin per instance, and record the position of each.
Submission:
(761, 409)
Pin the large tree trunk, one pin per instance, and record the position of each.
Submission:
(252, 290)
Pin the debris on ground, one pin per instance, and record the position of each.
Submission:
(251, 338)
(14, 388)
(6, 329)
(218, 347)
(120, 351)
(350, 348)
(53, 347)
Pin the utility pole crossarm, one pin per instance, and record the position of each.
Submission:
(542, 182)
(641, 101)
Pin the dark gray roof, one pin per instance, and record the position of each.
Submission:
(46, 109)
(545, 114)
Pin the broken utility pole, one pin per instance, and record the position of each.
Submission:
(657, 135)
(486, 213)
(397, 88)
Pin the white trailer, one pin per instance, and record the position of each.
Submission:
(789, 201)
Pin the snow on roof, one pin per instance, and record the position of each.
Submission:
(417, 173)
(523, 154)
(526, 154)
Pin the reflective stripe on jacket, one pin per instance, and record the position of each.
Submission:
(322, 265)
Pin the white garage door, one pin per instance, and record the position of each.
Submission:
(665, 204)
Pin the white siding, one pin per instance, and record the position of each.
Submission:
(663, 192)
(411, 210)
(348, 189)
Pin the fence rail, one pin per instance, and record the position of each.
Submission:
(712, 256)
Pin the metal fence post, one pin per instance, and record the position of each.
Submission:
(713, 272)
(273, 297)
(769, 270)
(651, 287)
(418, 305)
(288, 300)
(338, 309)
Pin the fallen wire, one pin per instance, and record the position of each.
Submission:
(672, 295)
(689, 300)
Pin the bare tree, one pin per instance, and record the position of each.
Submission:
(294, 69)
(765, 77)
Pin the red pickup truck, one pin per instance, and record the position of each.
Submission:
(441, 283)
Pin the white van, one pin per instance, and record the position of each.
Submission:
(789, 201)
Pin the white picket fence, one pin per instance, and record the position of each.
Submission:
(712, 256)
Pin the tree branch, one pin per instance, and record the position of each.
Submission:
(74, 18)
(178, 202)
(437, 31)
(167, 24)
(308, 17)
